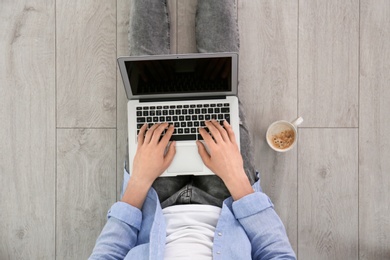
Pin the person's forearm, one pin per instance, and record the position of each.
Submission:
(136, 192)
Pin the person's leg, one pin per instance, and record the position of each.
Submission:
(216, 26)
(217, 31)
(149, 35)
(149, 27)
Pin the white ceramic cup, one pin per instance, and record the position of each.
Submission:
(282, 135)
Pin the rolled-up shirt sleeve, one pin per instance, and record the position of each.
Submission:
(119, 235)
(263, 226)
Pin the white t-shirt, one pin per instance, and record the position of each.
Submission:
(190, 231)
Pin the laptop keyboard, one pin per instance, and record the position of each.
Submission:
(186, 118)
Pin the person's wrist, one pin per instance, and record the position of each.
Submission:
(238, 185)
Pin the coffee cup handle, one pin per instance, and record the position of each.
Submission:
(297, 121)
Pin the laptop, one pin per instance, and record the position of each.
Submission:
(184, 90)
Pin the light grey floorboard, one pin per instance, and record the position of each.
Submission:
(328, 62)
(328, 194)
(27, 130)
(86, 188)
(374, 125)
(185, 38)
(86, 62)
(268, 90)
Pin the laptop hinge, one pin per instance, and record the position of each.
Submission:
(181, 99)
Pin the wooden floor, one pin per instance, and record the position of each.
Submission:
(63, 119)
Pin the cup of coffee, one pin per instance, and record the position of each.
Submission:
(282, 135)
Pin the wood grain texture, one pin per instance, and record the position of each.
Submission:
(374, 150)
(27, 130)
(328, 62)
(172, 9)
(185, 38)
(86, 62)
(328, 194)
(86, 188)
(268, 91)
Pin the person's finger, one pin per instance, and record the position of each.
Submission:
(203, 153)
(230, 132)
(141, 134)
(157, 133)
(165, 140)
(150, 132)
(214, 132)
(206, 137)
(170, 154)
(221, 130)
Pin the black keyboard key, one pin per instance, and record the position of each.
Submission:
(139, 108)
(190, 111)
(145, 108)
(159, 107)
(172, 107)
(202, 123)
(187, 137)
(213, 116)
(181, 118)
(152, 113)
(226, 104)
(213, 105)
(186, 106)
(184, 112)
(220, 116)
(199, 105)
(217, 110)
(155, 119)
(162, 118)
(178, 112)
(183, 124)
(139, 113)
(189, 124)
(201, 117)
(219, 104)
(210, 110)
(168, 118)
(175, 118)
(165, 112)
(171, 112)
(149, 119)
(139, 126)
(197, 111)
(206, 105)
(200, 137)
(192, 106)
(188, 118)
(145, 113)
(165, 107)
(193, 130)
(179, 106)
(225, 110)
(158, 112)
(204, 110)
(194, 117)
(180, 130)
(196, 123)
(152, 107)
(141, 120)
(176, 124)
(207, 117)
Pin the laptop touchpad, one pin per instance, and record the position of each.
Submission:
(187, 160)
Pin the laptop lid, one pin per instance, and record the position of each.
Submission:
(176, 76)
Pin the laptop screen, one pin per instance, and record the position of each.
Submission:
(180, 75)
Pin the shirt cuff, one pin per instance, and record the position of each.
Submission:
(251, 204)
(126, 213)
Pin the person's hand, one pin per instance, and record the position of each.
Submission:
(150, 160)
(224, 157)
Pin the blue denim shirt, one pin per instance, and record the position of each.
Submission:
(248, 228)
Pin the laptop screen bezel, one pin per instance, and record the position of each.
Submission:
(234, 75)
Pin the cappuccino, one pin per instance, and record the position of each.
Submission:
(283, 139)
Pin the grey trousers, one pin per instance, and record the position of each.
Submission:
(216, 31)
